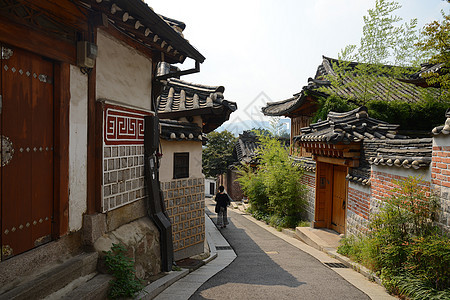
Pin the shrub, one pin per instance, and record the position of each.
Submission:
(403, 246)
(429, 260)
(273, 188)
(253, 186)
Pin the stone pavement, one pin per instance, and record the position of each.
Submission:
(181, 285)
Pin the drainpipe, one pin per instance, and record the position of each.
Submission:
(155, 200)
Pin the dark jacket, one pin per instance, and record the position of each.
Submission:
(222, 199)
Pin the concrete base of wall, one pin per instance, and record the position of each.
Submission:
(189, 251)
(94, 226)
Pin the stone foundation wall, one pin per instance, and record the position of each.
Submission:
(185, 204)
(141, 238)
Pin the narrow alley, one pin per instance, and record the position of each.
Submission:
(270, 265)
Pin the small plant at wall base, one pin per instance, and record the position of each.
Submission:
(403, 246)
(125, 283)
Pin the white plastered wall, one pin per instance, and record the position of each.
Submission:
(123, 74)
(77, 147)
(171, 147)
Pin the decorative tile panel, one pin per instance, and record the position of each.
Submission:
(123, 156)
(185, 204)
(123, 126)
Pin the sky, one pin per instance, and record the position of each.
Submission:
(265, 51)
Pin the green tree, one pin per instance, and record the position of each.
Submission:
(218, 153)
(281, 178)
(386, 41)
(436, 39)
(274, 187)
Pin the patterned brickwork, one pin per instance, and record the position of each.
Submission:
(358, 207)
(185, 204)
(309, 179)
(440, 178)
(123, 175)
(440, 166)
(382, 185)
(359, 203)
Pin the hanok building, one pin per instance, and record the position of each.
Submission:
(352, 160)
(77, 80)
(187, 111)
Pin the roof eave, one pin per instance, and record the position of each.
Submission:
(143, 11)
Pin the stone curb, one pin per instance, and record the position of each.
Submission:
(155, 288)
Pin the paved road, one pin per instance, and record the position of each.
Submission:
(267, 267)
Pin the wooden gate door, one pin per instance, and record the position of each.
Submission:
(26, 151)
(339, 199)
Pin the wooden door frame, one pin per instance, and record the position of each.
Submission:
(326, 222)
(63, 55)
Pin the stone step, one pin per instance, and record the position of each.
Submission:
(96, 288)
(55, 278)
(321, 239)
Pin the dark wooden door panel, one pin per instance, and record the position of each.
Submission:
(27, 180)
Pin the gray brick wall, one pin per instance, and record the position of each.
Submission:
(123, 175)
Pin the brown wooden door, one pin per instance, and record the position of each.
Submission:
(339, 199)
(27, 135)
(324, 174)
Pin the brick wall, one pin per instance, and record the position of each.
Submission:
(123, 175)
(233, 186)
(184, 200)
(358, 207)
(382, 184)
(440, 179)
(358, 202)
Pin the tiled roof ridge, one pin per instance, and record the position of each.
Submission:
(176, 130)
(353, 64)
(179, 26)
(281, 101)
(280, 108)
(305, 163)
(358, 179)
(443, 129)
(351, 126)
(195, 86)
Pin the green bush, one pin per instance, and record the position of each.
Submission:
(403, 246)
(429, 260)
(273, 188)
(253, 185)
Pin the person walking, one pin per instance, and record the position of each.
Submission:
(222, 201)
